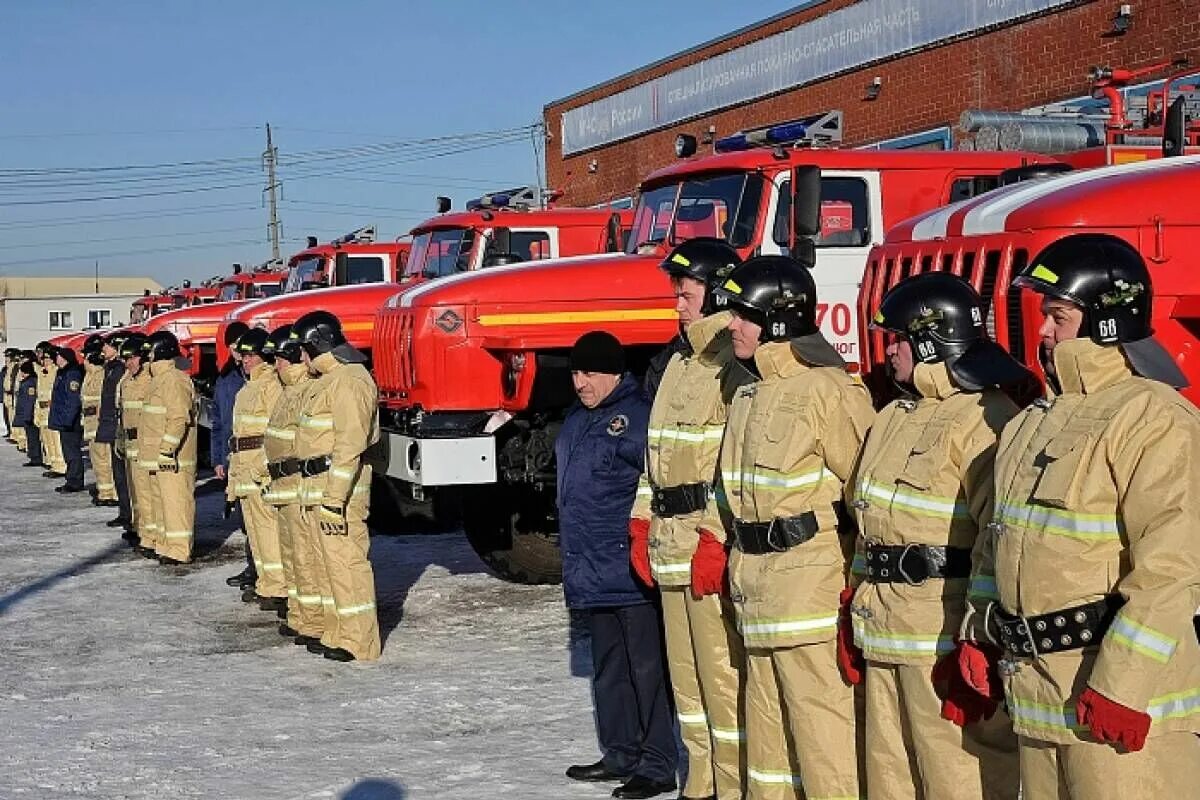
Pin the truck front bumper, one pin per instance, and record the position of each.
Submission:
(441, 461)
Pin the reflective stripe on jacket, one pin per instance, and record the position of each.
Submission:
(251, 413)
(89, 396)
(45, 390)
(339, 419)
(168, 424)
(282, 426)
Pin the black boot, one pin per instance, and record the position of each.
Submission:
(593, 772)
(119, 522)
(167, 561)
(275, 604)
(338, 654)
(243, 580)
(288, 630)
(316, 648)
(305, 641)
(251, 596)
(639, 788)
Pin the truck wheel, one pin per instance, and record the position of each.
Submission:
(512, 533)
(393, 510)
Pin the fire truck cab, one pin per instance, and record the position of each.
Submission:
(473, 371)
(149, 305)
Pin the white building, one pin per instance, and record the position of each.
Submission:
(33, 309)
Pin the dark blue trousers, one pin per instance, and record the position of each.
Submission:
(72, 447)
(631, 696)
(121, 479)
(33, 446)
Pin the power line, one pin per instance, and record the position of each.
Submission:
(124, 253)
(175, 234)
(215, 208)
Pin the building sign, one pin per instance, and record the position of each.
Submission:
(867, 31)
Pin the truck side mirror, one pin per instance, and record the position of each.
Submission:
(1174, 129)
(341, 267)
(501, 241)
(806, 202)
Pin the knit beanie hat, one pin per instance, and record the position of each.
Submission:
(598, 351)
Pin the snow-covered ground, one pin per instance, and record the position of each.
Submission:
(121, 678)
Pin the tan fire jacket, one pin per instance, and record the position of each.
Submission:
(924, 477)
(684, 440)
(1098, 492)
(283, 423)
(132, 391)
(790, 444)
(340, 419)
(89, 396)
(251, 413)
(45, 390)
(168, 425)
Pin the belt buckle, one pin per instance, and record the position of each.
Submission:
(770, 543)
(900, 566)
(304, 471)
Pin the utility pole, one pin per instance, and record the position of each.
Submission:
(270, 157)
(537, 137)
(97, 277)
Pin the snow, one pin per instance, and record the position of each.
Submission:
(121, 678)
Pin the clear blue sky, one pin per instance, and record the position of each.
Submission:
(138, 82)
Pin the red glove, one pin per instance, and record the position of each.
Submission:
(708, 566)
(978, 668)
(850, 658)
(962, 703)
(1112, 723)
(639, 550)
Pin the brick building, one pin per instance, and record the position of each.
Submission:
(933, 59)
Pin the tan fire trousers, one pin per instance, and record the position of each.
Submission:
(802, 725)
(914, 754)
(52, 452)
(101, 455)
(300, 548)
(348, 590)
(704, 652)
(141, 500)
(174, 512)
(262, 529)
(1168, 766)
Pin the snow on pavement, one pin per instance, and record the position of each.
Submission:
(121, 678)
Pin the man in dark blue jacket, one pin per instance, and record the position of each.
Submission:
(66, 417)
(229, 382)
(24, 403)
(600, 452)
(106, 431)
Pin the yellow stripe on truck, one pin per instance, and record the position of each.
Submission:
(556, 317)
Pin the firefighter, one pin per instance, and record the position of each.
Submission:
(248, 466)
(687, 419)
(167, 448)
(299, 544)
(24, 407)
(229, 382)
(103, 460)
(338, 423)
(789, 446)
(104, 491)
(51, 447)
(109, 434)
(8, 374)
(66, 417)
(1086, 580)
(14, 376)
(922, 492)
(135, 387)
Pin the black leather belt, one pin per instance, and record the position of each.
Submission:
(675, 501)
(1066, 629)
(238, 444)
(91, 411)
(776, 536)
(43, 403)
(306, 467)
(916, 563)
(131, 433)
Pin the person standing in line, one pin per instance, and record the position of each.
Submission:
(600, 453)
(790, 446)
(687, 419)
(1085, 582)
(248, 466)
(56, 467)
(23, 411)
(299, 545)
(16, 432)
(229, 382)
(7, 373)
(89, 396)
(109, 441)
(921, 494)
(135, 387)
(339, 422)
(66, 417)
(167, 448)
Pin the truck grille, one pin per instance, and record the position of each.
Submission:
(393, 352)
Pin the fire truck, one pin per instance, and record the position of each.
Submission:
(149, 305)
(473, 370)
(988, 240)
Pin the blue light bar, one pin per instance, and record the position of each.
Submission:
(817, 127)
(732, 144)
(788, 132)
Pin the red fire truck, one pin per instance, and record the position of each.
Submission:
(1141, 198)
(473, 370)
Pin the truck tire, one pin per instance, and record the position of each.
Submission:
(393, 511)
(510, 531)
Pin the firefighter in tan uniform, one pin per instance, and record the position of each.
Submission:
(299, 543)
(90, 395)
(167, 449)
(921, 494)
(1089, 574)
(790, 445)
(248, 466)
(52, 455)
(12, 360)
(338, 423)
(686, 423)
(135, 387)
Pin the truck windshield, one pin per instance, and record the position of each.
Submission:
(305, 273)
(229, 291)
(179, 300)
(441, 252)
(137, 314)
(724, 206)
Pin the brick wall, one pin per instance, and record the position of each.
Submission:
(1039, 61)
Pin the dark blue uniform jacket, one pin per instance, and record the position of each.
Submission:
(66, 406)
(225, 390)
(26, 402)
(106, 426)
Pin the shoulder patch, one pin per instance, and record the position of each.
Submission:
(618, 425)
(74, 386)
(32, 392)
